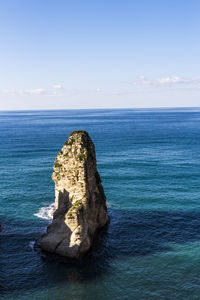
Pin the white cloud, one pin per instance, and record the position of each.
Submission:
(35, 92)
(170, 81)
(9, 92)
(38, 91)
(176, 79)
(58, 86)
(56, 91)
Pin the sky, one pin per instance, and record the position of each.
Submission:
(60, 54)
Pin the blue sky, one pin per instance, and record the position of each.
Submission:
(58, 54)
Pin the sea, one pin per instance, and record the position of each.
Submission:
(149, 162)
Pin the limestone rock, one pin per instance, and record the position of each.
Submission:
(79, 199)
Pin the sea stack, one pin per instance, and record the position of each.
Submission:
(79, 199)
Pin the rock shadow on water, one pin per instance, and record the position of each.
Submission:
(139, 233)
(129, 234)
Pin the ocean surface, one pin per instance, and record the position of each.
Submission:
(149, 162)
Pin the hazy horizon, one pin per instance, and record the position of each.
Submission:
(107, 108)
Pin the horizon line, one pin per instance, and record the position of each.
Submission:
(111, 108)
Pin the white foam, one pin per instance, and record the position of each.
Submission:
(31, 244)
(46, 212)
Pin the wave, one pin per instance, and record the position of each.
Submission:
(46, 212)
(32, 244)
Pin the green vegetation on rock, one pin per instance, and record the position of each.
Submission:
(71, 199)
(76, 206)
(57, 165)
(69, 142)
(57, 176)
(81, 156)
(80, 132)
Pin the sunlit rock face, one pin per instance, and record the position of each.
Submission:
(79, 199)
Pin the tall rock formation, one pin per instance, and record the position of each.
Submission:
(79, 199)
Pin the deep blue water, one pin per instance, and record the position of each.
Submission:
(149, 161)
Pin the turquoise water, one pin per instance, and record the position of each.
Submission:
(149, 161)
